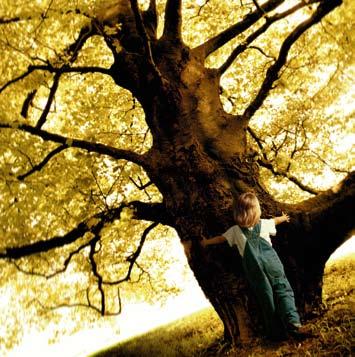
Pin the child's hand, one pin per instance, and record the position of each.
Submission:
(203, 242)
(285, 217)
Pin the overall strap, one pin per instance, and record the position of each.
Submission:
(256, 230)
(253, 233)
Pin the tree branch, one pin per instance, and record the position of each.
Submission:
(303, 187)
(270, 20)
(42, 16)
(57, 70)
(222, 38)
(142, 32)
(173, 20)
(111, 151)
(141, 210)
(56, 272)
(27, 102)
(258, 142)
(152, 15)
(258, 7)
(16, 79)
(319, 214)
(133, 257)
(272, 73)
(87, 305)
(94, 268)
(264, 162)
(50, 99)
(40, 166)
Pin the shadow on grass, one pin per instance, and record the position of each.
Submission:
(200, 333)
(184, 337)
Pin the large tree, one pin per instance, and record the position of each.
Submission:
(225, 94)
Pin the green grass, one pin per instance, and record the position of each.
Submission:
(200, 333)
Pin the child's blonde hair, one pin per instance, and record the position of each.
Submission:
(247, 210)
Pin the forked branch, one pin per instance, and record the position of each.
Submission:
(144, 211)
(133, 257)
(265, 162)
(243, 46)
(222, 38)
(285, 174)
(272, 73)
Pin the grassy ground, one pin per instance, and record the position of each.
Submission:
(200, 334)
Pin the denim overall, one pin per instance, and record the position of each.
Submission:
(267, 278)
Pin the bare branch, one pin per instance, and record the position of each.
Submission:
(40, 166)
(319, 157)
(222, 38)
(303, 187)
(111, 151)
(173, 20)
(272, 73)
(262, 52)
(133, 257)
(56, 242)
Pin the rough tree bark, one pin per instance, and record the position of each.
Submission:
(200, 157)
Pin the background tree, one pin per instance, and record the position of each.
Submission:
(107, 117)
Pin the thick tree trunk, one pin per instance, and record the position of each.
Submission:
(199, 160)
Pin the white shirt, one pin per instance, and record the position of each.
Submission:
(235, 236)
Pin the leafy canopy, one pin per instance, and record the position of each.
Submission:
(304, 127)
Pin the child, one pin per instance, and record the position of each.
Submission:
(262, 266)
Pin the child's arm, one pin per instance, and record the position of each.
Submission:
(284, 218)
(215, 240)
